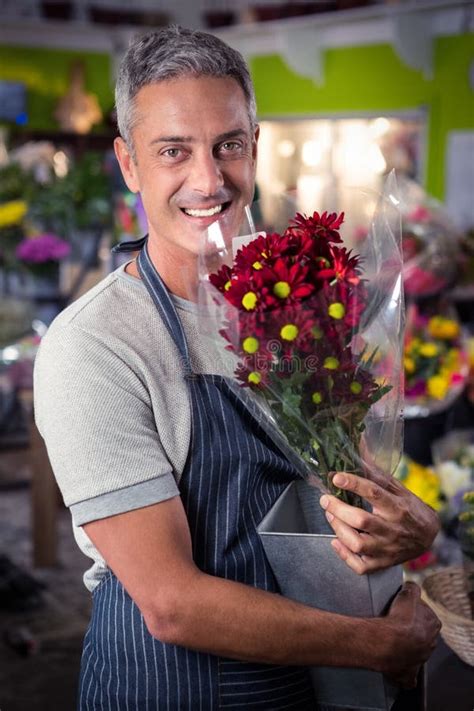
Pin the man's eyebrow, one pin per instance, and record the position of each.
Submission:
(231, 134)
(235, 133)
(172, 139)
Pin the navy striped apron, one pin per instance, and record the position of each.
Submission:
(233, 475)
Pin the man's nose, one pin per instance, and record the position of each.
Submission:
(206, 175)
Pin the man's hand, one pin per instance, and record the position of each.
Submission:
(399, 528)
(411, 631)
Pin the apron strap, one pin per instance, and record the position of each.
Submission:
(164, 303)
(130, 246)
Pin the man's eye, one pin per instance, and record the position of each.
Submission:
(230, 147)
(171, 153)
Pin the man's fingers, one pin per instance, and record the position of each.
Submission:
(353, 516)
(357, 542)
(374, 474)
(410, 588)
(359, 564)
(368, 489)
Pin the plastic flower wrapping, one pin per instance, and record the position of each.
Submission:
(311, 331)
(435, 361)
(430, 243)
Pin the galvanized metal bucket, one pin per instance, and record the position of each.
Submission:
(297, 541)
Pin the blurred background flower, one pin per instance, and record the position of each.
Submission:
(42, 253)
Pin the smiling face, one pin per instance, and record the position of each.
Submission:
(195, 157)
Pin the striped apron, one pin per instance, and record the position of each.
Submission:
(233, 475)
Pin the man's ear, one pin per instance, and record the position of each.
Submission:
(255, 142)
(127, 165)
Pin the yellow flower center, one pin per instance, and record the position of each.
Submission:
(254, 378)
(331, 363)
(355, 387)
(250, 344)
(257, 265)
(289, 332)
(316, 398)
(227, 285)
(317, 333)
(282, 289)
(249, 300)
(337, 310)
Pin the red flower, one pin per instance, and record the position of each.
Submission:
(244, 295)
(291, 331)
(221, 279)
(259, 252)
(342, 266)
(252, 375)
(284, 283)
(325, 226)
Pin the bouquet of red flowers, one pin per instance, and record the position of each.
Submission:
(315, 331)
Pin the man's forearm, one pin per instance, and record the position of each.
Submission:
(149, 550)
(238, 621)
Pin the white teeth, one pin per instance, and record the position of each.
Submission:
(203, 213)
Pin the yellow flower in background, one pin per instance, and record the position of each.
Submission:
(428, 350)
(409, 365)
(422, 481)
(453, 359)
(470, 352)
(445, 328)
(11, 213)
(437, 386)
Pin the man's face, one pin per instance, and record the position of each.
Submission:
(195, 158)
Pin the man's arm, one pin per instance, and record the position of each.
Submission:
(149, 550)
(399, 528)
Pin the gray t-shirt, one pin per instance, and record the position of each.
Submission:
(112, 405)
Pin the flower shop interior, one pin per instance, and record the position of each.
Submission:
(347, 92)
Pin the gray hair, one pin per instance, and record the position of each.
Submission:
(176, 52)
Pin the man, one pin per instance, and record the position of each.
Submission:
(166, 472)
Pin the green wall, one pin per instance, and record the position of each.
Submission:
(369, 78)
(46, 75)
(373, 78)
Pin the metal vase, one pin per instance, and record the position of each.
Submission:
(297, 541)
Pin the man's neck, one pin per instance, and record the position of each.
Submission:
(179, 276)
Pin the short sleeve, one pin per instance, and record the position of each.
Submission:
(95, 415)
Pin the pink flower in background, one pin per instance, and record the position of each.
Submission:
(419, 214)
(360, 233)
(420, 282)
(43, 248)
(423, 561)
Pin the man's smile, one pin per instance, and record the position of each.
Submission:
(206, 212)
